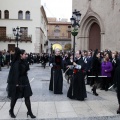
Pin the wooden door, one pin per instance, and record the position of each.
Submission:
(94, 37)
(11, 47)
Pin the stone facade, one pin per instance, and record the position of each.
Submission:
(17, 17)
(59, 33)
(43, 32)
(104, 13)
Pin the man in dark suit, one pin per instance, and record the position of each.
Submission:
(77, 89)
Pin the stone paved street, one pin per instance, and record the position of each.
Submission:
(46, 105)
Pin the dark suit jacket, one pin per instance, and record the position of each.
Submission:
(89, 63)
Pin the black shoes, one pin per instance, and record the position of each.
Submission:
(11, 114)
(96, 94)
(118, 111)
(94, 91)
(31, 115)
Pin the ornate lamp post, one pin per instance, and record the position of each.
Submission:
(75, 24)
(17, 32)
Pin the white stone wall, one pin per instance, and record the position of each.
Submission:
(108, 12)
(13, 6)
(44, 31)
(38, 40)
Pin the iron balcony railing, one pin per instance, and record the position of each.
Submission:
(9, 38)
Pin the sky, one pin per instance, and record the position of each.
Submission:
(58, 8)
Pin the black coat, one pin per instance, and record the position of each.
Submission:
(56, 80)
(77, 89)
(65, 61)
(96, 66)
(89, 63)
(18, 76)
(117, 80)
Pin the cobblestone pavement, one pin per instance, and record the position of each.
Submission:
(46, 105)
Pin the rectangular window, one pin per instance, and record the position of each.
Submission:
(69, 34)
(11, 47)
(24, 32)
(2, 32)
(69, 31)
(57, 34)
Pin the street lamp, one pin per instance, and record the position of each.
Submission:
(17, 32)
(75, 24)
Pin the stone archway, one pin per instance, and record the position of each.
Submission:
(91, 18)
(57, 45)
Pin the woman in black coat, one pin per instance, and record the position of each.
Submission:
(96, 69)
(117, 83)
(18, 82)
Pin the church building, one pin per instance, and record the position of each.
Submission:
(99, 24)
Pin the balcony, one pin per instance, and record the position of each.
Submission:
(59, 38)
(10, 38)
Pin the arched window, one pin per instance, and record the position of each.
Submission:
(0, 14)
(6, 14)
(27, 15)
(20, 15)
(57, 27)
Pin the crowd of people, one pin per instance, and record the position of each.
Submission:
(99, 69)
(6, 58)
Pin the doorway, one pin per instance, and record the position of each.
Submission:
(95, 37)
(11, 47)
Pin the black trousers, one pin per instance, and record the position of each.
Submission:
(89, 78)
(118, 96)
(105, 82)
